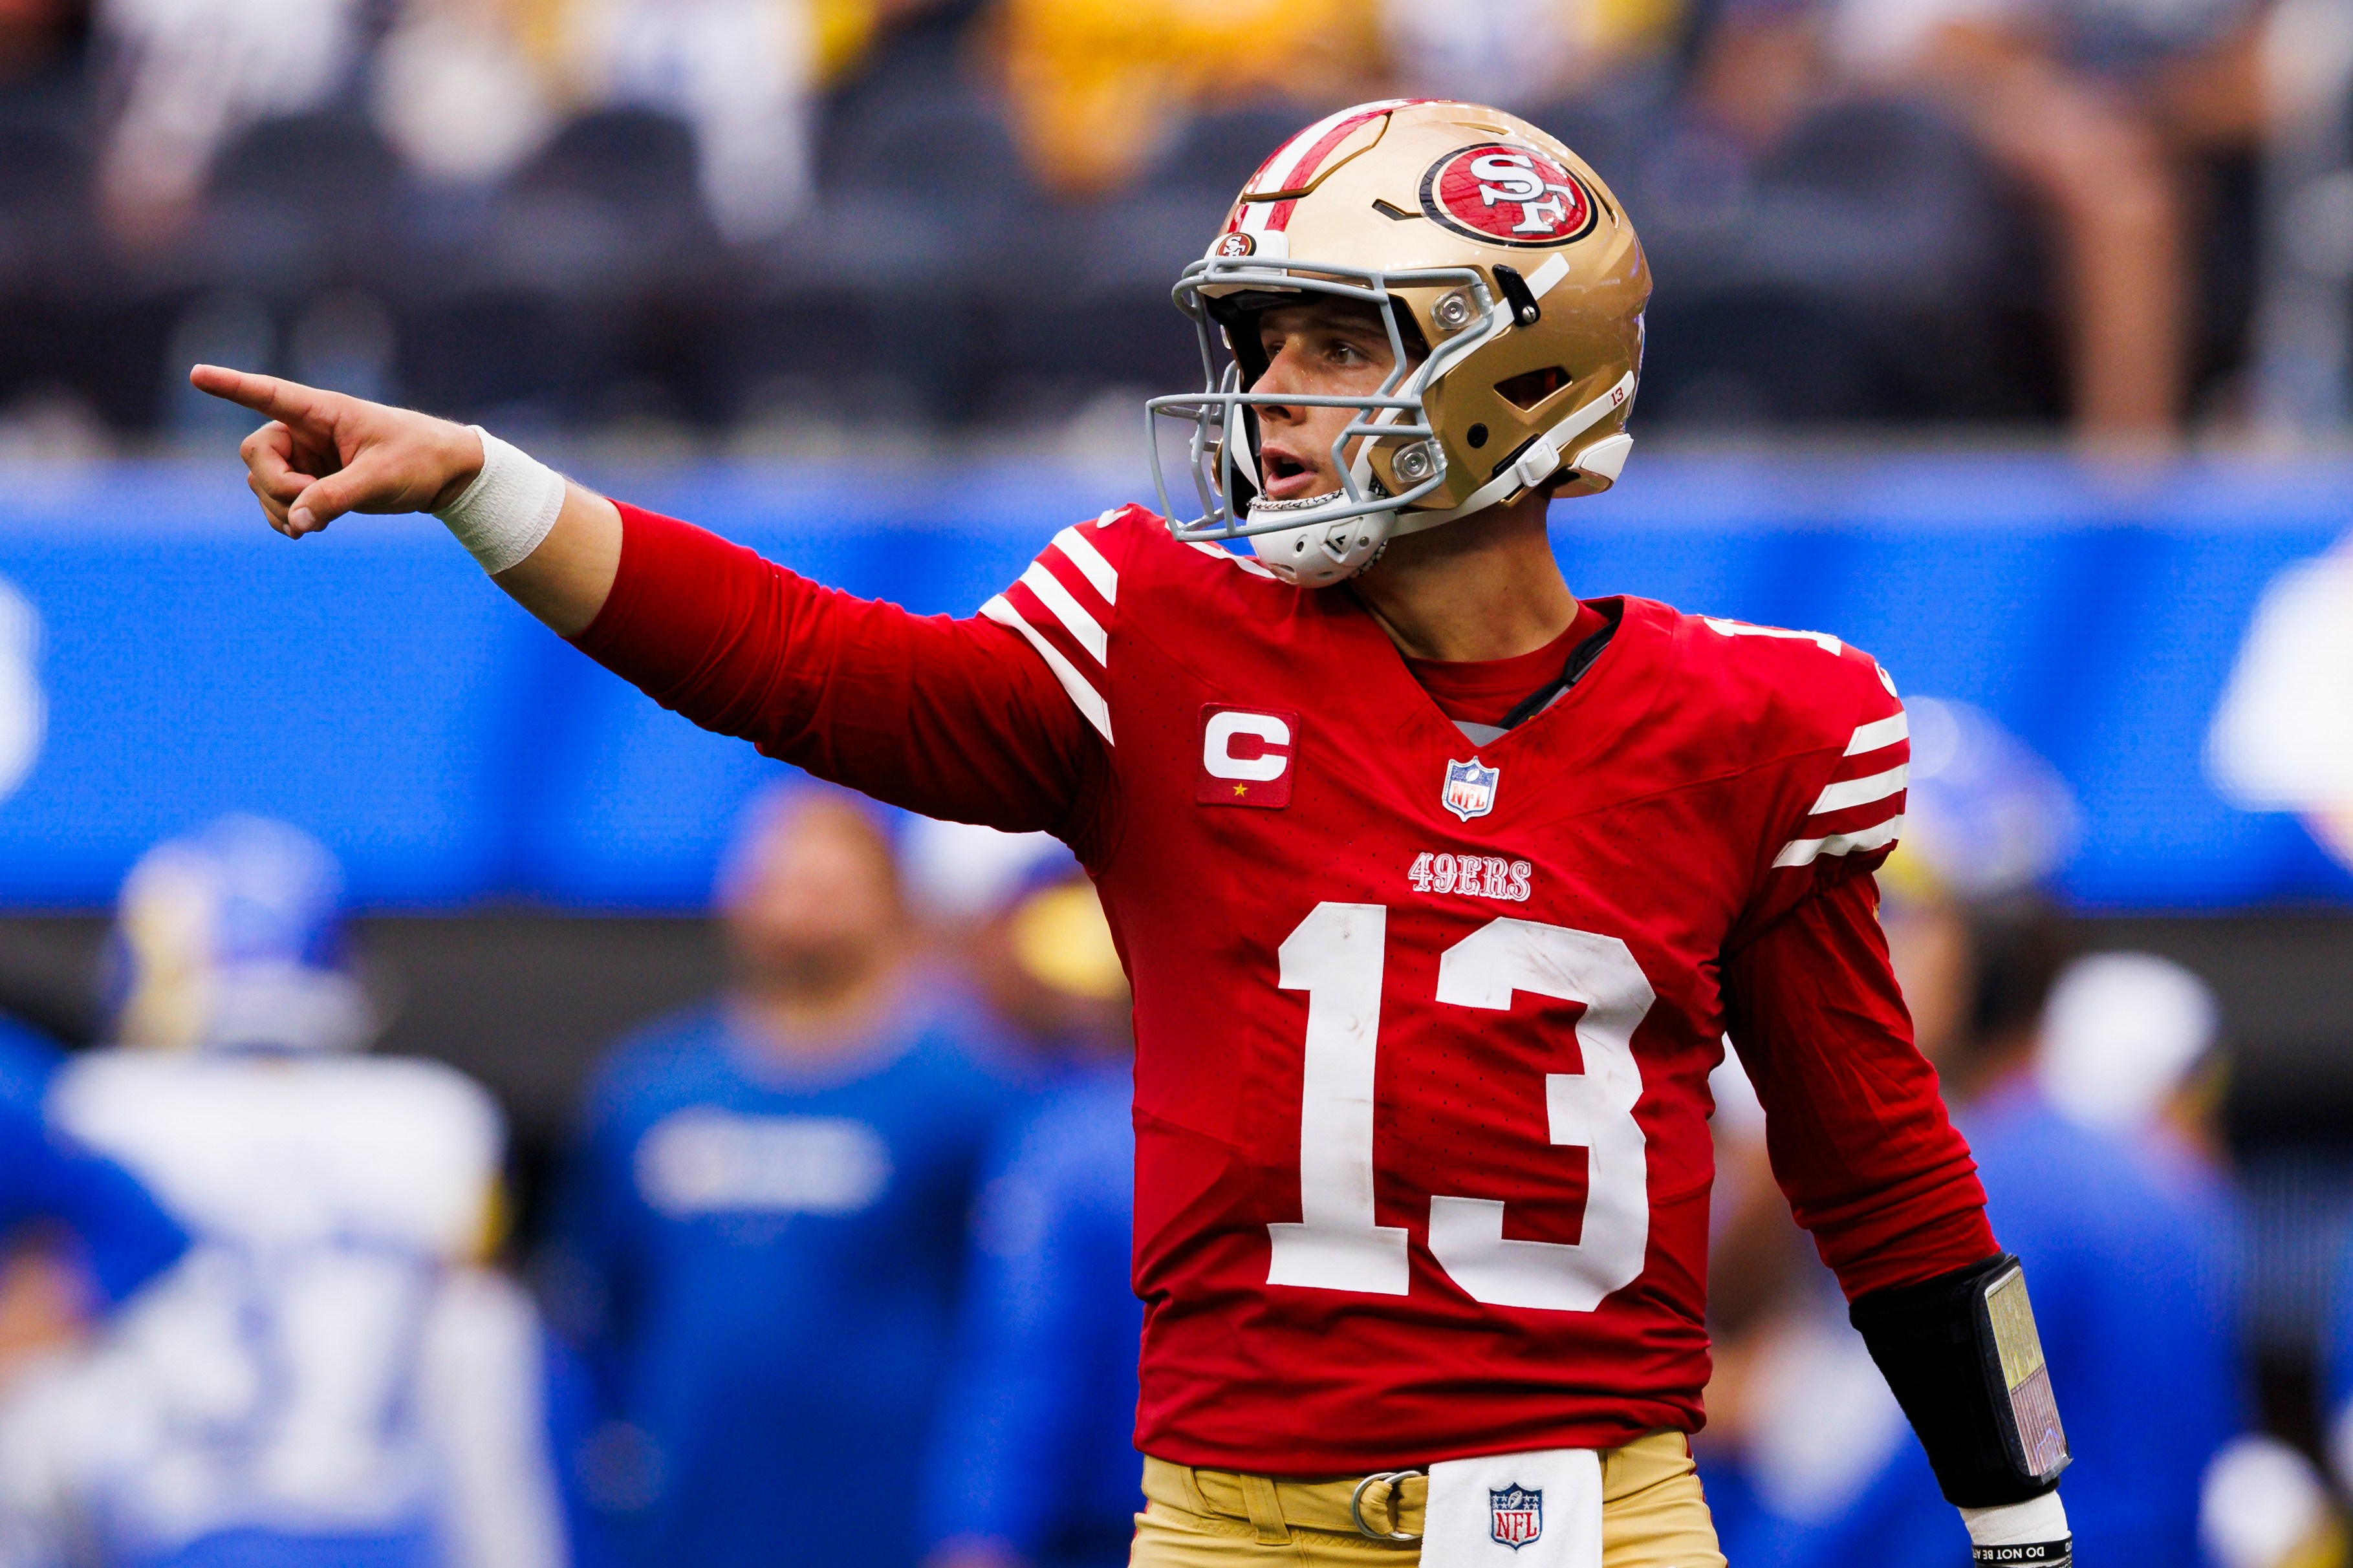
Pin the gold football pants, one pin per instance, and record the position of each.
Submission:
(1652, 1515)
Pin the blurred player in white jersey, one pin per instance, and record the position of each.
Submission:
(329, 1378)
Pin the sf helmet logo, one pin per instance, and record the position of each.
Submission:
(1234, 245)
(1507, 194)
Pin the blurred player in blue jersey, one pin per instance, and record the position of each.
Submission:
(761, 1235)
(1810, 1460)
(2138, 1321)
(79, 1233)
(1035, 1463)
(326, 1380)
(2337, 1375)
(2127, 1051)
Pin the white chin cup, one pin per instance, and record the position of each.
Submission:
(1315, 553)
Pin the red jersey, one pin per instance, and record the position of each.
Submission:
(1423, 1025)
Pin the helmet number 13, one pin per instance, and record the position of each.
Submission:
(1336, 956)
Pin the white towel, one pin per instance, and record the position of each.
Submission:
(1537, 1509)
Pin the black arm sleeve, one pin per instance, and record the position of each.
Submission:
(1962, 1356)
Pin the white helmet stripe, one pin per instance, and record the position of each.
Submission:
(1283, 167)
(1287, 165)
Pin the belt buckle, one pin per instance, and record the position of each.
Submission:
(1356, 1505)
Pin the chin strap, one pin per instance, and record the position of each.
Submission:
(1606, 457)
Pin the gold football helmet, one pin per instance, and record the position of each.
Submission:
(1513, 288)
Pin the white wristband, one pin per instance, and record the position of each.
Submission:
(2017, 1523)
(508, 507)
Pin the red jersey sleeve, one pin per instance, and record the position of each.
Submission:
(1840, 804)
(1854, 1122)
(1065, 604)
(956, 718)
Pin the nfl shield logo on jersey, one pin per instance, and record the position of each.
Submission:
(1470, 788)
(1515, 1514)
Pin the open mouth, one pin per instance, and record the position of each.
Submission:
(1286, 477)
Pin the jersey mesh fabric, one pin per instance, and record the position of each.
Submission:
(1516, 965)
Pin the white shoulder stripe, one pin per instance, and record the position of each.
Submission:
(1090, 563)
(1823, 640)
(1804, 851)
(1862, 792)
(1879, 732)
(1083, 694)
(1068, 611)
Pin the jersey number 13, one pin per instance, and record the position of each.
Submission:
(1336, 956)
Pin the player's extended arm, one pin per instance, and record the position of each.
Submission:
(955, 719)
(1872, 1166)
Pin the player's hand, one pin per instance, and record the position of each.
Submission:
(324, 454)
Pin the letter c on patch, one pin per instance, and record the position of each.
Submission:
(1266, 761)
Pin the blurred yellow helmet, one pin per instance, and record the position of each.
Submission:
(1061, 939)
(1513, 288)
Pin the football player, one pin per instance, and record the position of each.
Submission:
(759, 1235)
(1439, 890)
(327, 1379)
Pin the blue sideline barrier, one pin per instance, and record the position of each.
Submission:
(371, 685)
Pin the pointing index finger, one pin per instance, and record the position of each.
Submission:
(287, 400)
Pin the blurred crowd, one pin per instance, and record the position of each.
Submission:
(762, 217)
(836, 1268)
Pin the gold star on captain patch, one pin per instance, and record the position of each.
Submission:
(1242, 789)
